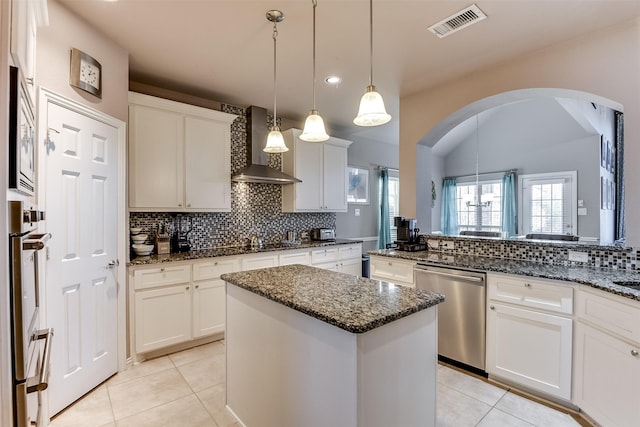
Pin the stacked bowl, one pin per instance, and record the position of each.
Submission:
(138, 242)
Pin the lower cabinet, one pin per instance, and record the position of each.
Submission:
(527, 345)
(344, 259)
(393, 270)
(607, 386)
(177, 303)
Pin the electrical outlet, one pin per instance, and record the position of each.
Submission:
(434, 245)
(357, 212)
(578, 256)
(448, 245)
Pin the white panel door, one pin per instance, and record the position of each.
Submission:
(81, 190)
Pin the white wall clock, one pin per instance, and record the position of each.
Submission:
(85, 73)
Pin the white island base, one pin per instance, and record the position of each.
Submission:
(288, 369)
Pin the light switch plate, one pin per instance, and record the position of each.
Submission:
(357, 212)
(582, 211)
(448, 245)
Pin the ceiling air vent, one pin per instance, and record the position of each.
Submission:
(458, 21)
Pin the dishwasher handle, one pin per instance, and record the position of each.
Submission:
(466, 278)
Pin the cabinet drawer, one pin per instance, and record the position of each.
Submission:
(161, 276)
(526, 292)
(253, 262)
(351, 251)
(294, 258)
(214, 268)
(392, 270)
(324, 255)
(610, 312)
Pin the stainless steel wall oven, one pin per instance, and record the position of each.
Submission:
(31, 345)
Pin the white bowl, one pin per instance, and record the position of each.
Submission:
(135, 230)
(142, 250)
(139, 238)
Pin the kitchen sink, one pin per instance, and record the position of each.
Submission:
(632, 284)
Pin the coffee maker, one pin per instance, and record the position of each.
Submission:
(181, 229)
(408, 238)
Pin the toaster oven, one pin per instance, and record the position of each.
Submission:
(323, 234)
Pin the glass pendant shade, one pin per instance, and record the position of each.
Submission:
(372, 111)
(275, 142)
(314, 128)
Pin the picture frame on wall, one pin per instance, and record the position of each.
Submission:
(603, 152)
(603, 200)
(358, 186)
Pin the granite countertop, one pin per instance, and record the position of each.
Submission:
(601, 278)
(233, 250)
(354, 304)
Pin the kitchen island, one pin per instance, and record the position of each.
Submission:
(310, 347)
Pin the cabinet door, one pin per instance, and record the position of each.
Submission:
(162, 317)
(335, 178)
(208, 307)
(156, 139)
(208, 164)
(351, 266)
(289, 258)
(530, 348)
(308, 168)
(607, 377)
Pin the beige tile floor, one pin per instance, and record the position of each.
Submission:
(187, 389)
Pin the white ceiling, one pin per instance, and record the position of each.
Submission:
(223, 49)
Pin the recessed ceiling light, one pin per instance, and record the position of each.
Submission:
(333, 80)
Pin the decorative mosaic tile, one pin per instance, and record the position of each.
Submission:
(555, 253)
(255, 208)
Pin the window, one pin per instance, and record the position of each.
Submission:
(394, 201)
(488, 216)
(548, 202)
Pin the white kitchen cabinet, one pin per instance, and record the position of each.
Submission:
(322, 167)
(392, 270)
(530, 333)
(179, 302)
(209, 309)
(26, 17)
(342, 258)
(179, 156)
(162, 317)
(607, 367)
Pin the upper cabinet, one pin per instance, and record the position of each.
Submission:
(322, 167)
(179, 156)
(26, 17)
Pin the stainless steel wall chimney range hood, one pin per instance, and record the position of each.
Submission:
(257, 169)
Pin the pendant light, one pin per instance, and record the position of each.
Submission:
(372, 111)
(314, 130)
(275, 140)
(487, 198)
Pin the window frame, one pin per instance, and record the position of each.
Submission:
(479, 226)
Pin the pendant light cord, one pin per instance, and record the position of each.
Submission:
(315, 4)
(477, 152)
(370, 42)
(275, 36)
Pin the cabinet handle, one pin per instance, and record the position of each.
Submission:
(634, 352)
(179, 205)
(492, 307)
(390, 264)
(527, 285)
(162, 270)
(188, 205)
(187, 288)
(215, 263)
(197, 286)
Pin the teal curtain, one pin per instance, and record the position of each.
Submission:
(449, 216)
(509, 204)
(384, 234)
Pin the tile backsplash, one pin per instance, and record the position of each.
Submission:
(255, 208)
(542, 252)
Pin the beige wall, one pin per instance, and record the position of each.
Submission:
(54, 43)
(605, 63)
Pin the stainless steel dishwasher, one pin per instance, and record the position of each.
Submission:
(461, 318)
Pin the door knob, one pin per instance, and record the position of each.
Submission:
(113, 264)
(634, 352)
